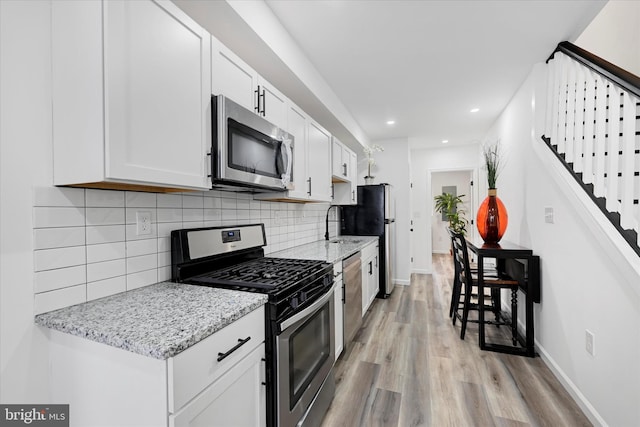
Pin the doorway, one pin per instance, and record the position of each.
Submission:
(458, 183)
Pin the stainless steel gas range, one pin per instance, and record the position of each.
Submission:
(299, 337)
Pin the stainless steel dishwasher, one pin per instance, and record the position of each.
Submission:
(352, 277)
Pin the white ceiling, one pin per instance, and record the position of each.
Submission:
(423, 63)
(426, 64)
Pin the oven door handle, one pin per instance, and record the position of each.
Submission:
(304, 313)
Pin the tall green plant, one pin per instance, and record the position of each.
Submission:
(491, 153)
(448, 204)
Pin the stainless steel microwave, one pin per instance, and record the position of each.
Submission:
(247, 150)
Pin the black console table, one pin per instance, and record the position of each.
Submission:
(520, 264)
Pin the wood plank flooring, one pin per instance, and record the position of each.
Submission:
(408, 367)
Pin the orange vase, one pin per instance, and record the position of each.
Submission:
(492, 218)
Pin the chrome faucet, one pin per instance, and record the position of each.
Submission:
(326, 221)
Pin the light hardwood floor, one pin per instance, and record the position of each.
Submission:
(408, 366)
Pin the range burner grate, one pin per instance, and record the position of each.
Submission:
(266, 273)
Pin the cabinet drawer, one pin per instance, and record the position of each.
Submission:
(194, 369)
(369, 251)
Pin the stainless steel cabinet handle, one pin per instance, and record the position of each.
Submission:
(264, 104)
(241, 342)
(344, 169)
(309, 181)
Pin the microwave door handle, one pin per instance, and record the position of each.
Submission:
(289, 154)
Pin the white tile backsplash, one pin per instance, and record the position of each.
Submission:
(86, 245)
(49, 280)
(106, 270)
(49, 238)
(104, 288)
(49, 259)
(105, 252)
(47, 217)
(53, 300)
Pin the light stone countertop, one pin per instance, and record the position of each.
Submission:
(327, 250)
(158, 321)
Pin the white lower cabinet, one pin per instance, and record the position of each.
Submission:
(370, 275)
(237, 398)
(217, 382)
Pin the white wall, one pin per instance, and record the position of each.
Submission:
(424, 162)
(584, 287)
(392, 166)
(440, 240)
(614, 35)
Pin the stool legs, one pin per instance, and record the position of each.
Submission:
(514, 316)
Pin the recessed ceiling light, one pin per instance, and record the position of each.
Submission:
(391, 122)
(444, 141)
(475, 110)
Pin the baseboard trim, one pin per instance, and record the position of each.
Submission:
(584, 404)
(420, 271)
(401, 282)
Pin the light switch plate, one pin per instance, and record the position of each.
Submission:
(548, 214)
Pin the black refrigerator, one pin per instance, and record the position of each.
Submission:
(374, 215)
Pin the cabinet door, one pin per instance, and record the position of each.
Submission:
(336, 158)
(237, 398)
(232, 77)
(297, 126)
(157, 90)
(353, 168)
(319, 164)
(273, 104)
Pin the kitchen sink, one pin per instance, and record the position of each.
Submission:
(355, 241)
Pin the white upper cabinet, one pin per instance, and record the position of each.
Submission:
(311, 168)
(235, 79)
(318, 161)
(344, 174)
(272, 103)
(232, 77)
(131, 95)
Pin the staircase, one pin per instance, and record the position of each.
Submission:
(593, 127)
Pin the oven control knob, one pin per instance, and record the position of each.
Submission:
(294, 302)
(303, 296)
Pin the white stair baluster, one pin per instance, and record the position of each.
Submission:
(600, 139)
(579, 120)
(627, 218)
(571, 112)
(562, 104)
(589, 116)
(555, 99)
(613, 148)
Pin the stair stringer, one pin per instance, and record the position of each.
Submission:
(613, 244)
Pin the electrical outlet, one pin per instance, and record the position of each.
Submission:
(143, 223)
(548, 214)
(589, 342)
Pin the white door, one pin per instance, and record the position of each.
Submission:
(157, 87)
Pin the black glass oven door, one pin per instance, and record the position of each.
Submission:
(305, 354)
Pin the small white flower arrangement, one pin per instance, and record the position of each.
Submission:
(369, 150)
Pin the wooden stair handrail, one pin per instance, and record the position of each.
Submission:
(628, 81)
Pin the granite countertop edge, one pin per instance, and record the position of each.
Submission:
(327, 250)
(157, 321)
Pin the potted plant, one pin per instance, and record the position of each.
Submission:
(492, 217)
(447, 204)
(369, 150)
